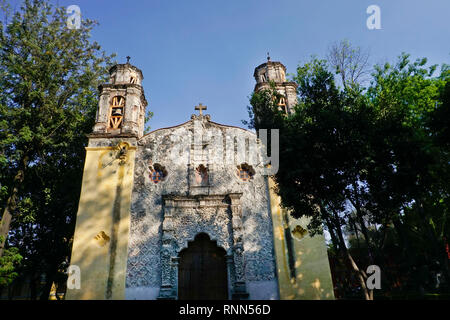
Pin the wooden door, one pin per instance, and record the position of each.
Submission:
(202, 273)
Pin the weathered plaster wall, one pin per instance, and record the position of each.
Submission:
(179, 151)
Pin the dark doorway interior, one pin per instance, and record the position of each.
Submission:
(202, 273)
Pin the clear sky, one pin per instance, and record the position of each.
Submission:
(193, 51)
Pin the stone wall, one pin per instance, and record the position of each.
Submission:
(244, 221)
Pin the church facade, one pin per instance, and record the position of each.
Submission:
(187, 212)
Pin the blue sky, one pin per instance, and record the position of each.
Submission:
(195, 51)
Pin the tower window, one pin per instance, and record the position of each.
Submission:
(282, 104)
(263, 77)
(133, 78)
(116, 112)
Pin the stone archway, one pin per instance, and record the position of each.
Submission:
(220, 216)
(202, 271)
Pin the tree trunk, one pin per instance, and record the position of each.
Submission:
(5, 223)
(368, 294)
(332, 234)
(360, 217)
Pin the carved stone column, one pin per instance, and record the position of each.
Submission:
(168, 277)
(230, 273)
(175, 263)
(239, 290)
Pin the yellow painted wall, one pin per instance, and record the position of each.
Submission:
(103, 223)
(312, 269)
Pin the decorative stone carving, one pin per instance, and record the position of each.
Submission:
(184, 218)
(239, 291)
(167, 215)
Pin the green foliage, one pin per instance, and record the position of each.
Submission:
(148, 116)
(373, 164)
(8, 264)
(406, 89)
(49, 76)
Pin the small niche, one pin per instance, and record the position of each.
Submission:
(201, 175)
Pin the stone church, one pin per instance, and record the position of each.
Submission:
(189, 211)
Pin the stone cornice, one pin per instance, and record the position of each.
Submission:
(258, 86)
(215, 200)
(123, 86)
(110, 135)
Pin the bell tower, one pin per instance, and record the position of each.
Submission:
(121, 107)
(276, 72)
(99, 250)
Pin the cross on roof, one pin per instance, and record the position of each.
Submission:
(200, 108)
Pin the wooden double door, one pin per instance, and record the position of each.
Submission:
(202, 273)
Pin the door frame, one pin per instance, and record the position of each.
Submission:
(175, 238)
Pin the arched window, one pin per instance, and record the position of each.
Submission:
(282, 104)
(157, 173)
(116, 112)
(245, 172)
(133, 78)
(263, 77)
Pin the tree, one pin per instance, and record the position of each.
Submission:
(410, 183)
(350, 63)
(48, 79)
(315, 170)
(363, 161)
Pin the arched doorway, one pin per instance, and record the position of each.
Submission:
(202, 273)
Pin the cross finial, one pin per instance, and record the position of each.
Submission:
(200, 108)
(128, 59)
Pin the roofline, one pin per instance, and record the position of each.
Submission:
(182, 124)
(178, 125)
(265, 64)
(228, 126)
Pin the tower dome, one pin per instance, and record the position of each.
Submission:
(275, 71)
